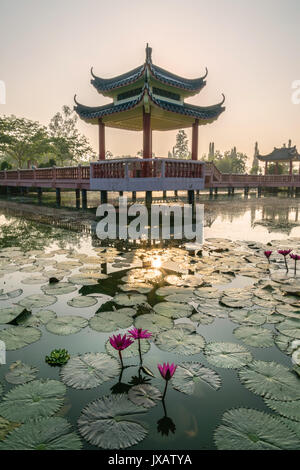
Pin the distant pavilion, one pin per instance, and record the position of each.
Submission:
(281, 155)
(149, 98)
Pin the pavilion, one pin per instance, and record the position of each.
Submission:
(281, 155)
(148, 98)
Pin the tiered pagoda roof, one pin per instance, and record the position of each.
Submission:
(155, 89)
(283, 154)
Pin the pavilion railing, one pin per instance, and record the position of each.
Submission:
(46, 174)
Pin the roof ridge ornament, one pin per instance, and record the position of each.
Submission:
(148, 54)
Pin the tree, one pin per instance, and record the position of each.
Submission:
(181, 150)
(229, 162)
(69, 145)
(22, 141)
(255, 162)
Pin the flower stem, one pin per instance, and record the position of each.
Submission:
(140, 351)
(165, 390)
(121, 359)
(295, 268)
(287, 269)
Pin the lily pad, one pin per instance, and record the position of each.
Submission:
(290, 327)
(227, 355)
(144, 395)
(59, 288)
(33, 400)
(8, 314)
(43, 434)
(67, 325)
(131, 351)
(189, 374)
(109, 423)
(11, 295)
(110, 321)
(83, 280)
(38, 301)
(255, 336)
(153, 322)
(247, 429)
(247, 317)
(129, 299)
(17, 337)
(6, 427)
(20, 373)
(271, 380)
(235, 303)
(202, 318)
(173, 310)
(36, 279)
(89, 370)
(289, 409)
(42, 317)
(180, 342)
(82, 301)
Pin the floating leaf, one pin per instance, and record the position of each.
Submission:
(271, 380)
(246, 429)
(11, 295)
(36, 279)
(144, 395)
(32, 400)
(42, 317)
(67, 325)
(83, 280)
(247, 317)
(110, 321)
(109, 423)
(173, 309)
(20, 373)
(180, 342)
(129, 299)
(235, 303)
(17, 337)
(59, 288)
(6, 427)
(82, 301)
(289, 409)
(153, 322)
(290, 327)
(43, 434)
(8, 314)
(37, 301)
(170, 290)
(188, 374)
(284, 343)
(202, 318)
(131, 351)
(255, 336)
(227, 355)
(89, 370)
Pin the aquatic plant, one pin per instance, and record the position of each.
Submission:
(284, 253)
(166, 371)
(295, 258)
(120, 343)
(267, 254)
(138, 333)
(58, 357)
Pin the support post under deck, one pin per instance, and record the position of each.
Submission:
(58, 197)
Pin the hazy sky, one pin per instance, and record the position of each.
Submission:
(251, 50)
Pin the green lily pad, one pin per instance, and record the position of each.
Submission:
(83, 280)
(111, 321)
(255, 336)
(38, 301)
(89, 370)
(173, 310)
(180, 298)
(271, 380)
(82, 301)
(59, 288)
(202, 318)
(290, 327)
(44, 434)
(17, 337)
(232, 302)
(6, 427)
(189, 374)
(180, 342)
(289, 409)
(42, 317)
(227, 355)
(129, 299)
(153, 322)
(109, 423)
(67, 325)
(247, 317)
(8, 314)
(170, 290)
(20, 373)
(11, 295)
(36, 279)
(144, 395)
(247, 429)
(33, 400)
(131, 351)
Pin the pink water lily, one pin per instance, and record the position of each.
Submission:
(284, 253)
(120, 343)
(138, 333)
(295, 258)
(166, 371)
(267, 254)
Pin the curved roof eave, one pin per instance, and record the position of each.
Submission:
(109, 84)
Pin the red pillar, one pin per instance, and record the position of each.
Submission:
(101, 140)
(276, 169)
(291, 167)
(195, 140)
(147, 135)
(266, 168)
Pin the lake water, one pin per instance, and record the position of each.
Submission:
(195, 416)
